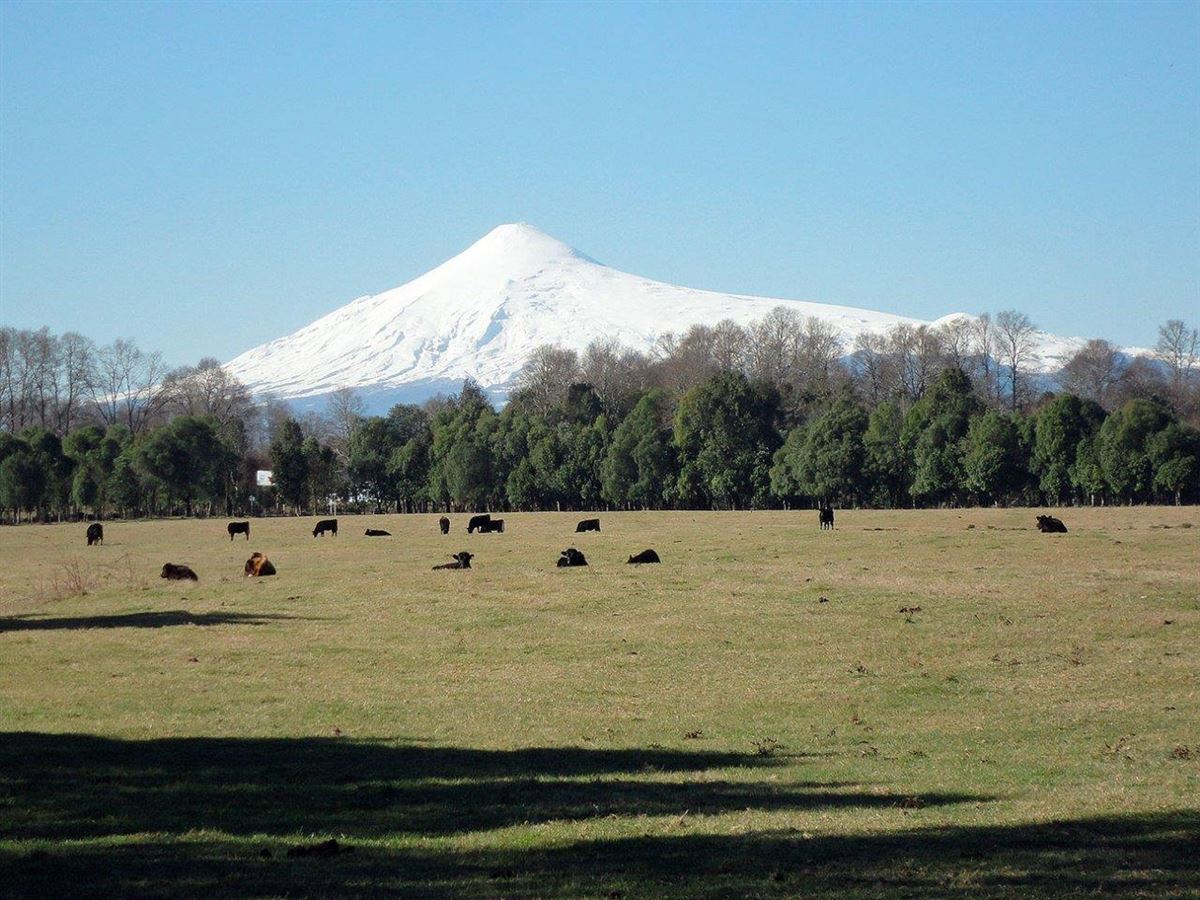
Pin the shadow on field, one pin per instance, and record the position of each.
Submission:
(135, 620)
(216, 817)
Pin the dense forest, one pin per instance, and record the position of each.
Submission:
(777, 414)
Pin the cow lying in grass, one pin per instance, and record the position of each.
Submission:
(258, 566)
(588, 525)
(178, 573)
(571, 557)
(378, 532)
(646, 556)
(1051, 525)
(462, 560)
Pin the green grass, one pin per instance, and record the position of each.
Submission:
(706, 727)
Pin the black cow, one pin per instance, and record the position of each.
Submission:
(378, 532)
(238, 528)
(825, 514)
(325, 525)
(95, 534)
(646, 556)
(1051, 525)
(478, 522)
(588, 525)
(571, 557)
(444, 524)
(462, 560)
(492, 526)
(178, 573)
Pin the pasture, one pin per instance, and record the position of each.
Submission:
(941, 703)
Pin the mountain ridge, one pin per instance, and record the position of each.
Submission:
(480, 314)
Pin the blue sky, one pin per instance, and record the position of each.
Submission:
(204, 177)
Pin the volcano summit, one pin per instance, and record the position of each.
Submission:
(480, 314)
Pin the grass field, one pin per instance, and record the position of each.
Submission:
(707, 727)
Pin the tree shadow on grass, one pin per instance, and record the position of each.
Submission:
(79, 786)
(216, 817)
(135, 620)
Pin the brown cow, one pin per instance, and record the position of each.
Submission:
(258, 566)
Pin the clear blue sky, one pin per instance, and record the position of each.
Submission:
(204, 177)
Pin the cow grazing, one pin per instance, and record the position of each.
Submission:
(258, 566)
(378, 532)
(477, 522)
(461, 561)
(570, 558)
(646, 556)
(325, 525)
(1051, 525)
(493, 526)
(238, 528)
(95, 534)
(444, 524)
(178, 573)
(825, 514)
(588, 525)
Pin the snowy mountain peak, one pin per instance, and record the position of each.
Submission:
(517, 243)
(482, 312)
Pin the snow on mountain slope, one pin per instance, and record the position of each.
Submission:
(482, 312)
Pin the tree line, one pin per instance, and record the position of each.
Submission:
(779, 413)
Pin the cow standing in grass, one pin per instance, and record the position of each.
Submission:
(238, 528)
(95, 534)
(825, 515)
(325, 525)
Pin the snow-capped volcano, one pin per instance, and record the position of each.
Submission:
(482, 312)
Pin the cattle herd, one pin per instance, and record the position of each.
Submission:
(259, 566)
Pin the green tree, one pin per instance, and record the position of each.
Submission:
(1175, 455)
(22, 481)
(887, 458)
(725, 432)
(993, 460)
(1058, 430)
(1124, 448)
(639, 464)
(829, 464)
(185, 459)
(935, 428)
(289, 465)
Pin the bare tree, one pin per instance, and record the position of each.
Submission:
(985, 374)
(1094, 372)
(344, 410)
(76, 357)
(774, 346)
(957, 340)
(874, 366)
(918, 354)
(1179, 347)
(730, 344)
(128, 385)
(1015, 339)
(544, 379)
